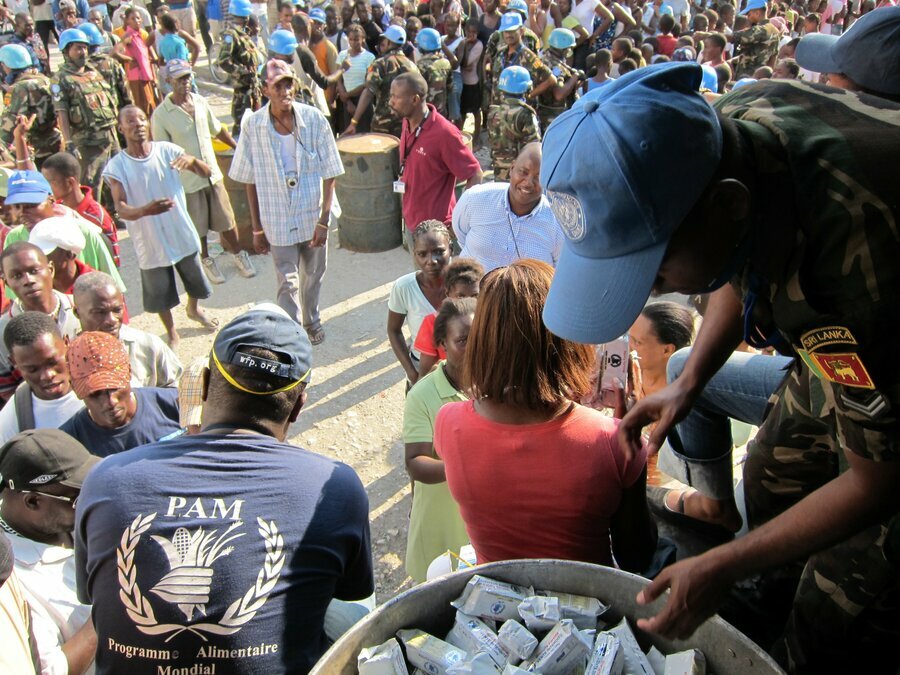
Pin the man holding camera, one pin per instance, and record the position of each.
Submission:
(288, 158)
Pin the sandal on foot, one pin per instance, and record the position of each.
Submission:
(656, 499)
(316, 336)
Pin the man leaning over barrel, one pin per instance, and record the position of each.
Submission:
(288, 158)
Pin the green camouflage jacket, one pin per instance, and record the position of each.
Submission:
(30, 95)
(378, 81)
(86, 98)
(512, 124)
(755, 47)
(115, 77)
(436, 70)
(524, 57)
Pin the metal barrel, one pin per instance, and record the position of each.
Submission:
(427, 607)
(237, 194)
(370, 210)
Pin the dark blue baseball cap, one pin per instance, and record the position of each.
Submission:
(868, 52)
(27, 187)
(621, 169)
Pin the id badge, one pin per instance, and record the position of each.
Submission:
(399, 187)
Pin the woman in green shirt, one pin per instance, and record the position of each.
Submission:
(435, 525)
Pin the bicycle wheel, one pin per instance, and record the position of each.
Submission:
(217, 74)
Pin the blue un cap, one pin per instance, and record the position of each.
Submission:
(27, 187)
(621, 169)
(754, 4)
(868, 52)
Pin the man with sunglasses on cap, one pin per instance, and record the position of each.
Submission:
(41, 473)
(781, 202)
(224, 551)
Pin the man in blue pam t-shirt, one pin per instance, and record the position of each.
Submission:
(229, 551)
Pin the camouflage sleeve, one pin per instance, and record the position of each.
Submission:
(18, 105)
(60, 94)
(539, 71)
(527, 126)
(122, 89)
(375, 77)
(225, 59)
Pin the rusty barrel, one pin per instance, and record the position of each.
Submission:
(370, 210)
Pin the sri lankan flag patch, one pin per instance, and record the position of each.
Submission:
(843, 367)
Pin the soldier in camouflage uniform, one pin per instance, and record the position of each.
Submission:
(512, 123)
(111, 70)
(517, 54)
(29, 95)
(86, 110)
(435, 68)
(797, 207)
(755, 46)
(563, 93)
(240, 58)
(381, 74)
(495, 43)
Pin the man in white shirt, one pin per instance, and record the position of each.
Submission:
(45, 399)
(681, 10)
(99, 306)
(42, 472)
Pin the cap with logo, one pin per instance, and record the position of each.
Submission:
(27, 187)
(97, 361)
(265, 326)
(58, 232)
(177, 68)
(753, 4)
(510, 21)
(318, 15)
(396, 34)
(868, 52)
(514, 80)
(39, 457)
(277, 70)
(644, 179)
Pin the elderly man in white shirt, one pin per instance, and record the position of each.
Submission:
(499, 223)
(288, 158)
(42, 473)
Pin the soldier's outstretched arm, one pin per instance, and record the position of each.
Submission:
(365, 99)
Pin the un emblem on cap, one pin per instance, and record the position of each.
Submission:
(568, 212)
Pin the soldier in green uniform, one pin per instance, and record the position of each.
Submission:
(381, 73)
(111, 70)
(563, 93)
(755, 46)
(85, 109)
(29, 95)
(435, 68)
(512, 123)
(240, 58)
(782, 203)
(517, 54)
(495, 42)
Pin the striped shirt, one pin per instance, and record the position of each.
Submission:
(491, 233)
(287, 215)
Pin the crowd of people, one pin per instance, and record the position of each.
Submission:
(741, 156)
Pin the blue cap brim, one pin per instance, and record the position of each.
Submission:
(28, 197)
(595, 300)
(814, 53)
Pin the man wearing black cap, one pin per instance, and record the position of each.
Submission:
(783, 204)
(224, 551)
(41, 473)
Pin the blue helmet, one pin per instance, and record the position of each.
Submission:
(428, 40)
(15, 57)
(744, 81)
(282, 42)
(93, 33)
(510, 21)
(710, 79)
(240, 8)
(317, 14)
(561, 38)
(71, 36)
(514, 80)
(395, 34)
(519, 6)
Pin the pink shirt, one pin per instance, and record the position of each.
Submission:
(139, 67)
(543, 490)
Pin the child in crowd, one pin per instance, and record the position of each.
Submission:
(627, 66)
(285, 14)
(666, 42)
(470, 98)
(462, 280)
(139, 58)
(602, 62)
(418, 294)
(175, 43)
(413, 26)
(351, 85)
(454, 44)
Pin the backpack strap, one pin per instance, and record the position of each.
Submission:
(24, 407)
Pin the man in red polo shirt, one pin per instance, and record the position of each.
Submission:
(433, 156)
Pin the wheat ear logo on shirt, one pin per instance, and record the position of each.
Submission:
(193, 560)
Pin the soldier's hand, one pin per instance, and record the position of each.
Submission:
(72, 150)
(666, 407)
(158, 206)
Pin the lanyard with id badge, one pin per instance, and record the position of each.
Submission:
(399, 185)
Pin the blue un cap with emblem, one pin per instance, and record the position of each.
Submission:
(27, 187)
(264, 326)
(621, 169)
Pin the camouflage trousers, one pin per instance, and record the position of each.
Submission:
(845, 614)
(501, 169)
(245, 98)
(94, 158)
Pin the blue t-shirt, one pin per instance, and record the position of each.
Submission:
(220, 552)
(155, 419)
(173, 46)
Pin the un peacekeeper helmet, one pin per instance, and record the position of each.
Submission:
(519, 6)
(561, 38)
(428, 40)
(15, 57)
(282, 42)
(240, 8)
(710, 79)
(93, 33)
(72, 36)
(510, 21)
(514, 80)
(395, 34)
